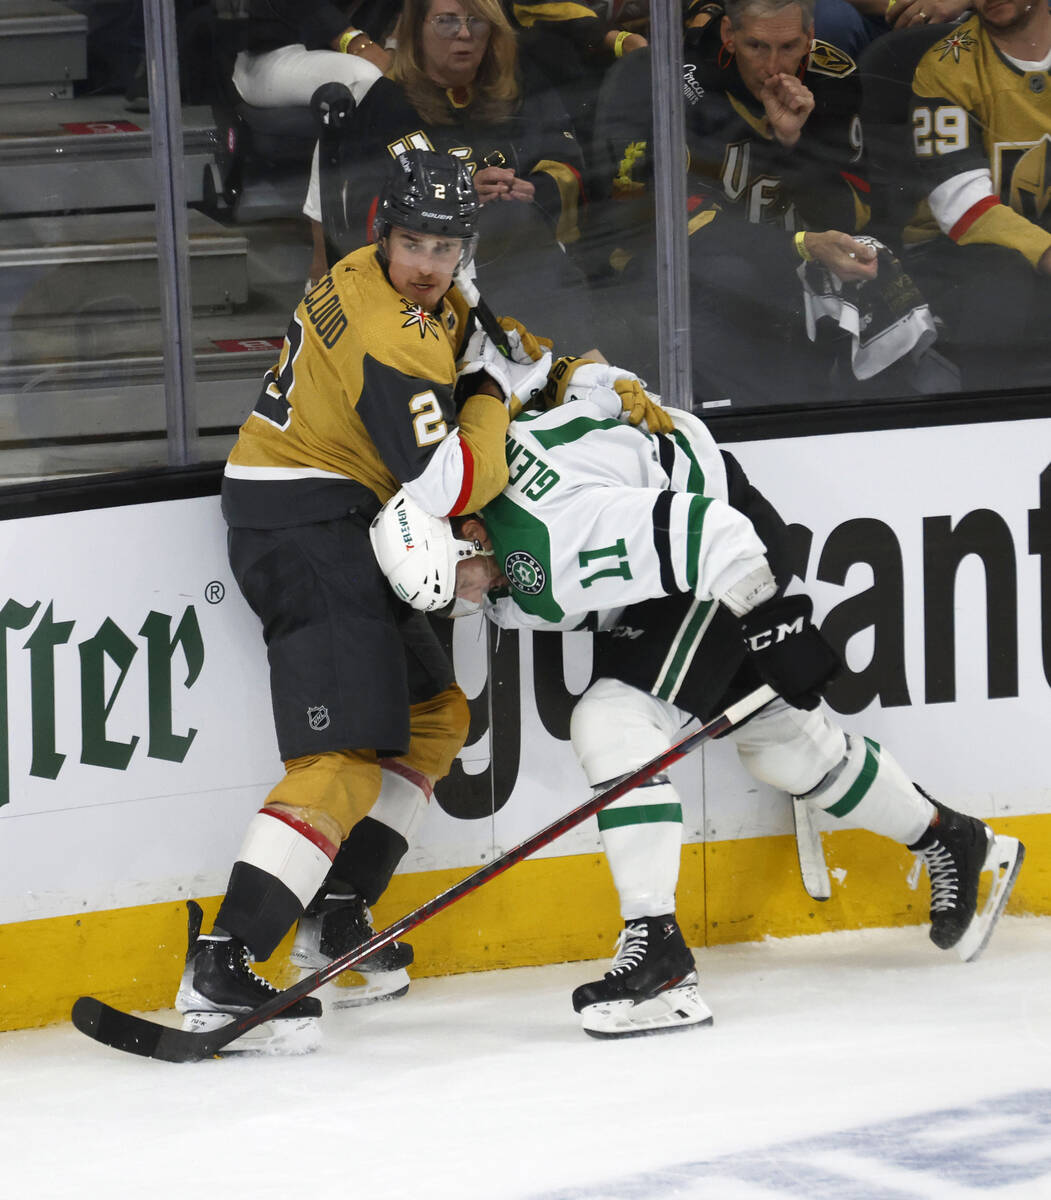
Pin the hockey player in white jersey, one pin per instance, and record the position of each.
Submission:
(657, 541)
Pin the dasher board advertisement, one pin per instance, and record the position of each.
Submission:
(136, 738)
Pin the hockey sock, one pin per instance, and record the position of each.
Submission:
(279, 868)
(642, 838)
(867, 789)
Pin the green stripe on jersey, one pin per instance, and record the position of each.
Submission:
(861, 785)
(639, 814)
(571, 431)
(695, 531)
(695, 482)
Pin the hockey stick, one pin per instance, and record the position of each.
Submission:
(137, 1035)
(482, 312)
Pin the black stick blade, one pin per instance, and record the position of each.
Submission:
(136, 1035)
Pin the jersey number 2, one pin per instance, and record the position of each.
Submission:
(428, 424)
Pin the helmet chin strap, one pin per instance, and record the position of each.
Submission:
(466, 550)
(464, 608)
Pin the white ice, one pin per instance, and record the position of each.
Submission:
(846, 1066)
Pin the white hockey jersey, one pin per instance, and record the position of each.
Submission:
(599, 514)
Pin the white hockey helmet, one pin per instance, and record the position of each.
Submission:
(418, 553)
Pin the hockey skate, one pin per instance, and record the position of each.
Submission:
(956, 850)
(650, 988)
(217, 985)
(334, 924)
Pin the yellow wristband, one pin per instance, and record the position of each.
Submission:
(618, 44)
(346, 37)
(801, 250)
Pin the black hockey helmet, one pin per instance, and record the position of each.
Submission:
(428, 193)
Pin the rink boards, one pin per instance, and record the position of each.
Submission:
(137, 738)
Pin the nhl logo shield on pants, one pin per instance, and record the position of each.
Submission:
(318, 717)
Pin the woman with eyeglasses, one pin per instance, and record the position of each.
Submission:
(457, 86)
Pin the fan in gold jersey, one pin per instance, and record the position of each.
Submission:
(979, 244)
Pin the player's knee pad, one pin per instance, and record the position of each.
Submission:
(642, 838)
(790, 748)
(616, 727)
(330, 792)
(867, 789)
(403, 797)
(376, 845)
(281, 864)
(438, 730)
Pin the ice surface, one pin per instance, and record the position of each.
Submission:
(847, 1066)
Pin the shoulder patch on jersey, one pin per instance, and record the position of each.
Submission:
(826, 59)
(524, 573)
(419, 318)
(959, 42)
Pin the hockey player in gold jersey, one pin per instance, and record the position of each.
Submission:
(362, 401)
(981, 129)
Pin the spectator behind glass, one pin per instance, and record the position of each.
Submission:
(455, 87)
(289, 48)
(904, 14)
(981, 241)
(774, 149)
(568, 40)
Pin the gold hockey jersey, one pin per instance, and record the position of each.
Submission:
(975, 110)
(361, 401)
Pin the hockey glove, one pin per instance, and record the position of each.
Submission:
(641, 407)
(789, 651)
(517, 333)
(520, 377)
(618, 392)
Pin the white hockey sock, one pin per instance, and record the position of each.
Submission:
(869, 790)
(288, 849)
(642, 837)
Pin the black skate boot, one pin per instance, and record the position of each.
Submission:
(337, 922)
(650, 988)
(218, 985)
(956, 849)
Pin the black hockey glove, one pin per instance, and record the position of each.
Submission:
(789, 651)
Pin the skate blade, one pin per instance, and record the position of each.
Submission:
(282, 1035)
(378, 985)
(677, 1008)
(1004, 858)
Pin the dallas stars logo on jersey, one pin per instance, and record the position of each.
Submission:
(419, 317)
(525, 573)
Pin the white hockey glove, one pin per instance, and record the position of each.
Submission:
(520, 377)
(618, 392)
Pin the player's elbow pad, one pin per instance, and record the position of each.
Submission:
(483, 428)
